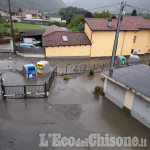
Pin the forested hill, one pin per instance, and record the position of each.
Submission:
(43, 5)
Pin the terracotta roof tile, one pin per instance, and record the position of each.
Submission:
(30, 11)
(129, 23)
(52, 29)
(74, 39)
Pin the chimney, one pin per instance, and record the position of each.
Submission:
(109, 23)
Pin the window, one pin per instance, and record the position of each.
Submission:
(134, 39)
(132, 50)
(65, 38)
(148, 50)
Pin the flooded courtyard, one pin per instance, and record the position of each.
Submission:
(71, 109)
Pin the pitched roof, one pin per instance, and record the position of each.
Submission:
(129, 23)
(74, 39)
(34, 32)
(30, 11)
(135, 77)
(52, 29)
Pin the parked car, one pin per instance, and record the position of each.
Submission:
(31, 41)
(28, 45)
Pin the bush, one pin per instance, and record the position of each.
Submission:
(66, 78)
(60, 24)
(98, 90)
(125, 113)
(91, 72)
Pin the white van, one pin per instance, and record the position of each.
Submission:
(31, 41)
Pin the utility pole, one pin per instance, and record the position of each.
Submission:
(116, 39)
(12, 31)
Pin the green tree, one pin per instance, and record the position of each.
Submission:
(134, 13)
(104, 14)
(79, 27)
(4, 26)
(75, 21)
(70, 12)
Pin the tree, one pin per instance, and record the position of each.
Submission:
(75, 21)
(134, 13)
(89, 15)
(79, 27)
(4, 26)
(104, 14)
(70, 12)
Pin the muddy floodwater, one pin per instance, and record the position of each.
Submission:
(71, 109)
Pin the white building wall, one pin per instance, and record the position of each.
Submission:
(29, 16)
(115, 93)
(55, 19)
(141, 110)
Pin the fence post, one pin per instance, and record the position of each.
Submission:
(85, 68)
(103, 67)
(45, 89)
(25, 92)
(3, 90)
(66, 70)
(149, 62)
(94, 66)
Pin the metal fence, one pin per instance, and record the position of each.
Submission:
(28, 91)
(51, 79)
(78, 69)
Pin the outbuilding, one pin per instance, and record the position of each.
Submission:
(129, 87)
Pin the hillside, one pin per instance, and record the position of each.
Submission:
(43, 5)
(99, 3)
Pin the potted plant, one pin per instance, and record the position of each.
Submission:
(98, 91)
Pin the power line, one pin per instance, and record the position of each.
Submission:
(137, 8)
(103, 6)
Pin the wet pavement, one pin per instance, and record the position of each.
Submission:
(5, 47)
(71, 109)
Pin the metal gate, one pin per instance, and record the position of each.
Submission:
(24, 91)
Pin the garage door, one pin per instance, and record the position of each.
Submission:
(141, 110)
(115, 93)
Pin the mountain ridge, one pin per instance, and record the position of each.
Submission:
(43, 5)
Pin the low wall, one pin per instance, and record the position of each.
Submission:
(25, 50)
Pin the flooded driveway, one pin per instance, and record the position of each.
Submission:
(71, 110)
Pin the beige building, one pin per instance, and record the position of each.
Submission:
(98, 38)
(58, 42)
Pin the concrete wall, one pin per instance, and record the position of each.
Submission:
(88, 32)
(129, 98)
(115, 93)
(68, 51)
(141, 110)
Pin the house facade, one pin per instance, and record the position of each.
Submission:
(59, 42)
(29, 14)
(134, 36)
(129, 88)
(16, 13)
